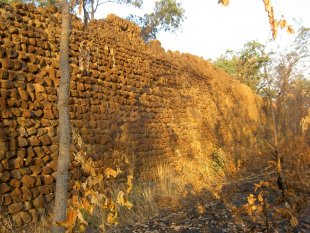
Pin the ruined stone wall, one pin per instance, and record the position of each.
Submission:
(125, 95)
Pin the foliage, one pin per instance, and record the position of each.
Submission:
(298, 104)
(262, 211)
(246, 65)
(90, 7)
(228, 62)
(274, 23)
(270, 73)
(291, 86)
(167, 15)
(93, 197)
(266, 204)
(293, 61)
(224, 2)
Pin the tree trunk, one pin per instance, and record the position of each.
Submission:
(85, 13)
(280, 179)
(64, 122)
(92, 17)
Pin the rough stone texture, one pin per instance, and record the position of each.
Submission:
(125, 95)
(16, 207)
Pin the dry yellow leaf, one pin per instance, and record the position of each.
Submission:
(200, 209)
(75, 201)
(71, 218)
(290, 29)
(267, 5)
(267, 2)
(274, 24)
(111, 172)
(105, 204)
(125, 159)
(121, 199)
(88, 192)
(88, 166)
(102, 227)
(129, 183)
(224, 2)
(70, 221)
(294, 221)
(128, 204)
(275, 29)
(112, 218)
(260, 208)
(251, 199)
(87, 206)
(81, 218)
(94, 199)
(76, 185)
(84, 185)
(111, 205)
(282, 23)
(79, 158)
(95, 180)
(260, 197)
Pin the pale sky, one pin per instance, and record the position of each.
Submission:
(210, 29)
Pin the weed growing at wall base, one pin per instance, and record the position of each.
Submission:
(93, 197)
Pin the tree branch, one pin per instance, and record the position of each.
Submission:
(97, 4)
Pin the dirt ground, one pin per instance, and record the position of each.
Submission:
(226, 214)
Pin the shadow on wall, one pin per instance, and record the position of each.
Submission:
(4, 154)
(125, 96)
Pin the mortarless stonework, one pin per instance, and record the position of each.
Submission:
(125, 95)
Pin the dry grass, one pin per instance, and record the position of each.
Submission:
(197, 169)
(189, 176)
(42, 226)
(5, 223)
(296, 165)
(209, 169)
(176, 184)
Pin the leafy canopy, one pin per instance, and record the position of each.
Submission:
(167, 15)
(246, 65)
(90, 7)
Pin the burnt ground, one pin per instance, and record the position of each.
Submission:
(228, 214)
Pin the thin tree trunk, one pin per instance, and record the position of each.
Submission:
(92, 17)
(280, 181)
(85, 13)
(64, 122)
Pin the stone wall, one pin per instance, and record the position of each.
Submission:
(125, 95)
